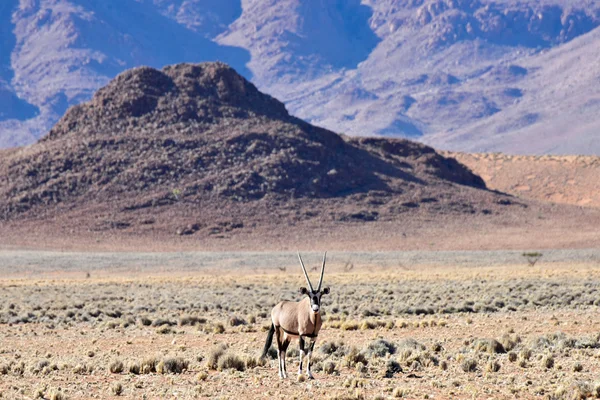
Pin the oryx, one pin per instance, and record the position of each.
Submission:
(297, 319)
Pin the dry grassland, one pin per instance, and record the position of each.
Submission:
(438, 332)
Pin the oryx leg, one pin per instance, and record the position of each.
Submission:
(310, 350)
(284, 346)
(280, 351)
(301, 339)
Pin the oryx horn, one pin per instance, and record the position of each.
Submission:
(322, 272)
(305, 274)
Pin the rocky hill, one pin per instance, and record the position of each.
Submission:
(192, 144)
(474, 75)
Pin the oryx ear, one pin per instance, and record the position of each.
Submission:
(303, 290)
(325, 291)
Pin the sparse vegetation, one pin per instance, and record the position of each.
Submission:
(506, 357)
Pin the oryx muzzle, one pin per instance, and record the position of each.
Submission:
(297, 319)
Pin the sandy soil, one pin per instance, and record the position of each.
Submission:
(60, 336)
(558, 179)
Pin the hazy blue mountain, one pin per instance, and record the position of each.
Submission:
(57, 53)
(479, 75)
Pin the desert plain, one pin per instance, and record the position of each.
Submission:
(455, 324)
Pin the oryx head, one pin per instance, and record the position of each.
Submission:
(314, 295)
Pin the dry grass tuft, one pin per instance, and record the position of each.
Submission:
(148, 365)
(380, 348)
(492, 366)
(548, 361)
(218, 328)
(164, 330)
(175, 365)
(117, 389)
(469, 365)
(201, 376)
(525, 354)
(392, 367)
(57, 395)
(329, 368)
(213, 357)
(354, 357)
(252, 362)
(349, 326)
(133, 367)
(116, 367)
(231, 361)
(490, 346)
(82, 369)
(354, 383)
(236, 321)
(190, 320)
(330, 348)
(371, 324)
(400, 392)
(509, 342)
(578, 390)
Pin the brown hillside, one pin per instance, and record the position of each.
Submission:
(198, 151)
(558, 179)
(202, 133)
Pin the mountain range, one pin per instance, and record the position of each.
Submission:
(517, 76)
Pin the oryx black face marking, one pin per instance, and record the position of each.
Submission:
(315, 301)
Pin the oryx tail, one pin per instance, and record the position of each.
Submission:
(269, 341)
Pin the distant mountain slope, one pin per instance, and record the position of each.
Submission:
(63, 51)
(557, 179)
(558, 111)
(451, 67)
(476, 75)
